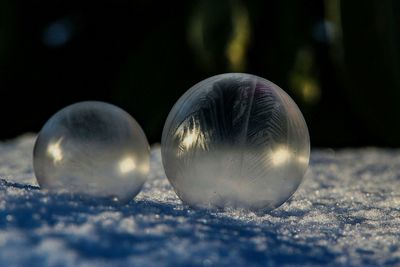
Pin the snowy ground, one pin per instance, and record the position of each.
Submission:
(347, 213)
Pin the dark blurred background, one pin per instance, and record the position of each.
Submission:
(339, 60)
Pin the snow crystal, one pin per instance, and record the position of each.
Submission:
(346, 213)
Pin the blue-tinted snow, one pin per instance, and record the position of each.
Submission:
(347, 213)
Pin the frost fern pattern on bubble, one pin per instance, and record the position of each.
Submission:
(235, 140)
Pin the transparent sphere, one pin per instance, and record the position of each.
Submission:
(92, 148)
(235, 140)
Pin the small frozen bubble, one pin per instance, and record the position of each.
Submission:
(93, 148)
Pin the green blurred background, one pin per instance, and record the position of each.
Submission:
(339, 60)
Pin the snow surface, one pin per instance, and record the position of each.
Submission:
(346, 213)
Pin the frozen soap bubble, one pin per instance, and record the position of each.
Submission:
(92, 148)
(235, 140)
